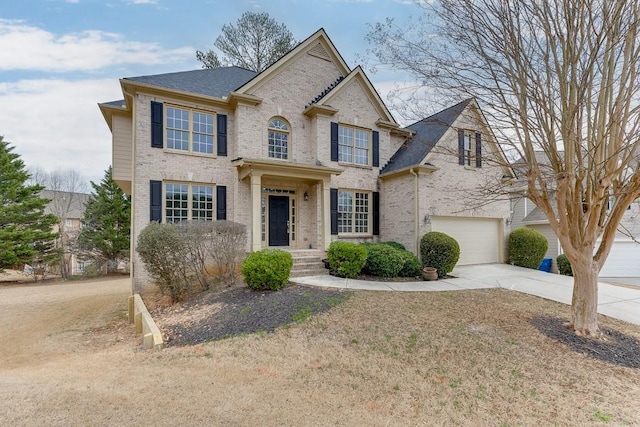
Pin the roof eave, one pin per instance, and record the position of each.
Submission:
(130, 87)
(316, 109)
(420, 169)
(108, 111)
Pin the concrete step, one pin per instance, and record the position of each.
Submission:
(307, 264)
(297, 253)
(310, 272)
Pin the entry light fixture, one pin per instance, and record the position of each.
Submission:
(306, 196)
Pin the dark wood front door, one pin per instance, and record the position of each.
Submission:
(278, 221)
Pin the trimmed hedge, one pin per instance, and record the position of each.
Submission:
(527, 247)
(346, 259)
(395, 245)
(564, 266)
(411, 266)
(439, 250)
(383, 260)
(267, 269)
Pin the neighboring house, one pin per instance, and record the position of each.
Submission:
(624, 258)
(69, 208)
(303, 153)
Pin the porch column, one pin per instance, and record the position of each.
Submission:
(326, 213)
(256, 210)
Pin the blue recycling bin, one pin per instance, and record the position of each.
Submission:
(545, 265)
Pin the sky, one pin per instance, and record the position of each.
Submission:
(60, 58)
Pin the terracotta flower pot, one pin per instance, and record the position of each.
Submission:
(429, 273)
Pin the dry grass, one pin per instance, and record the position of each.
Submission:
(467, 358)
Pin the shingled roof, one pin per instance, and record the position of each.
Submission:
(215, 82)
(428, 132)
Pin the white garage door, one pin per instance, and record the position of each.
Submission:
(623, 260)
(479, 238)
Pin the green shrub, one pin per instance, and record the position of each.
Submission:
(564, 266)
(383, 260)
(411, 266)
(439, 250)
(346, 259)
(527, 247)
(165, 254)
(267, 269)
(395, 245)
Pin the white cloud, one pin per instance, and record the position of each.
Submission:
(142, 1)
(25, 47)
(57, 123)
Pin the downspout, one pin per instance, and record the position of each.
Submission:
(416, 220)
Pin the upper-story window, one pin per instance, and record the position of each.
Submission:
(469, 148)
(353, 145)
(190, 130)
(278, 135)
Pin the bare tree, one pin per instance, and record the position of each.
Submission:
(557, 77)
(254, 43)
(66, 189)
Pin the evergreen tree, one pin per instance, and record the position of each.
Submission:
(107, 217)
(25, 230)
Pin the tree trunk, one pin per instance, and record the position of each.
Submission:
(584, 305)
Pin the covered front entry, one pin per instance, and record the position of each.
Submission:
(289, 203)
(278, 221)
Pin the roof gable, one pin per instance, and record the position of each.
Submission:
(356, 75)
(318, 44)
(428, 133)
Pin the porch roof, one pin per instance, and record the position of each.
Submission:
(274, 168)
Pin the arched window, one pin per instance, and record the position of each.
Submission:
(278, 138)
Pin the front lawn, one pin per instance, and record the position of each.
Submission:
(485, 357)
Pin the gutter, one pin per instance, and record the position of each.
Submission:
(416, 197)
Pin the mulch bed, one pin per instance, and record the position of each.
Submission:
(614, 347)
(244, 311)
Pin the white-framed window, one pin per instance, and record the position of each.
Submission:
(190, 130)
(353, 145)
(469, 148)
(354, 210)
(68, 223)
(278, 137)
(183, 202)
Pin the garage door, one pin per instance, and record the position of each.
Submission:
(479, 238)
(623, 260)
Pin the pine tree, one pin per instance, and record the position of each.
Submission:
(25, 230)
(254, 42)
(106, 224)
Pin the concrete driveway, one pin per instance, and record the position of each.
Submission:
(616, 301)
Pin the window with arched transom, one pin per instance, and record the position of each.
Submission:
(278, 135)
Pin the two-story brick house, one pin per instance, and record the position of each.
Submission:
(294, 153)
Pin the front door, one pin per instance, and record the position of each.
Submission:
(278, 221)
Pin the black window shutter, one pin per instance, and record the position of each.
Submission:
(376, 213)
(222, 134)
(221, 202)
(156, 201)
(334, 142)
(478, 150)
(156, 124)
(461, 146)
(376, 148)
(334, 210)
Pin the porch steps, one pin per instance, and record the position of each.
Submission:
(307, 262)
